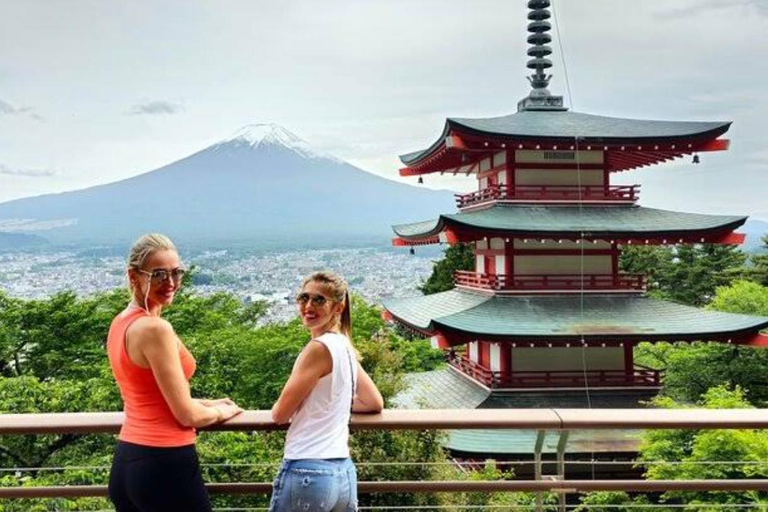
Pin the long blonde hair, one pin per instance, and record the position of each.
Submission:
(339, 292)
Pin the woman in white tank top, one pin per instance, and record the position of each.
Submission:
(326, 385)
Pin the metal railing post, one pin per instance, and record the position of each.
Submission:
(538, 467)
(561, 444)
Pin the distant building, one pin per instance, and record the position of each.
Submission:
(546, 314)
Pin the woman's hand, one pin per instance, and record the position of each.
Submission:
(210, 403)
(227, 410)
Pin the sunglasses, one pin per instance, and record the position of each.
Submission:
(160, 275)
(317, 300)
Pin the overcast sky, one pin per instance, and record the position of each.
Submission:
(92, 91)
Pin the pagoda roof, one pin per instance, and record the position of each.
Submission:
(564, 125)
(614, 222)
(486, 443)
(463, 316)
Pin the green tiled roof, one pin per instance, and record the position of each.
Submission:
(606, 221)
(440, 389)
(568, 125)
(569, 317)
(522, 442)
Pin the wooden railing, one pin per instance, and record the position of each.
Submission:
(548, 282)
(541, 420)
(621, 193)
(639, 376)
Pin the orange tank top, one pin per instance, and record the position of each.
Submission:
(148, 418)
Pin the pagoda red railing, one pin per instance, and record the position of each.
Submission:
(549, 282)
(639, 376)
(549, 193)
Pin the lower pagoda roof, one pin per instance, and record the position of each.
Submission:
(613, 222)
(462, 316)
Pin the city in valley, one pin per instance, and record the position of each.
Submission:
(373, 273)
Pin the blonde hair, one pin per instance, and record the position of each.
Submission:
(144, 247)
(339, 292)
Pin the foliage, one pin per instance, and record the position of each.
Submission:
(688, 274)
(456, 257)
(603, 501)
(676, 454)
(52, 359)
(758, 270)
(738, 365)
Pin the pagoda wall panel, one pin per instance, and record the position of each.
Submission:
(497, 244)
(565, 245)
(485, 164)
(563, 265)
(559, 177)
(528, 156)
(480, 264)
(499, 158)
(567, 359)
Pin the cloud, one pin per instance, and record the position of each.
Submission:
(10, 110)
(28, 173)
(704, 6)
(156, 107)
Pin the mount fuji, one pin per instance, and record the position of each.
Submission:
(263, 184)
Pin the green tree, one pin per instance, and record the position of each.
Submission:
(456, 257)
(732, 364)
(236, 357)
(707, 454)
(688, 274)
(758, 270)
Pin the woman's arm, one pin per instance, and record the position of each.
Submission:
(368, 397)
(155, 339)
(314, 363)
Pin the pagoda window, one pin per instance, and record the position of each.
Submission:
(480, 264)
(473, 351)
(495, 357)
(485, 164)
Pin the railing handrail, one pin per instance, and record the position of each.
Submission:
(426, 419)
(558, 486)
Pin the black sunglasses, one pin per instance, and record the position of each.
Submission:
(317, 300)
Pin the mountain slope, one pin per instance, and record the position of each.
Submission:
(262, 183)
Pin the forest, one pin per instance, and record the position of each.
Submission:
(52, 359)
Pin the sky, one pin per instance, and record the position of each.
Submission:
(93, 92)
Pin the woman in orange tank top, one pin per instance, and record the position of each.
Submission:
(155, 467)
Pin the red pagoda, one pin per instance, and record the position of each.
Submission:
(546, 307)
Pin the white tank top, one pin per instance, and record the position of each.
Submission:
(320, 428)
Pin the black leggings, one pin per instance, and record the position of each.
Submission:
(149, 479)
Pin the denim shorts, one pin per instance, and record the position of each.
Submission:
(315, 485)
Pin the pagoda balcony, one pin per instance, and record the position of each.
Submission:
(549, 282)
(638, 377)
(550, 193)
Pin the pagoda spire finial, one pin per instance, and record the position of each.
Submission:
(540, 98)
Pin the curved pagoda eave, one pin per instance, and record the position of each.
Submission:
(572, 222)
(461, 316)
(563, 127)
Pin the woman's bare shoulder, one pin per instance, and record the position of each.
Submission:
(150, 328)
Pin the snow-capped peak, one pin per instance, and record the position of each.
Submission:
(264, 134)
